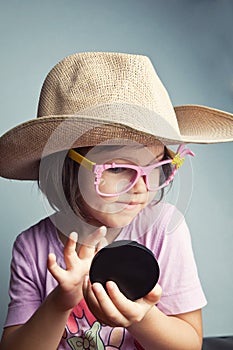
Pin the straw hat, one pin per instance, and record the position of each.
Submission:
(89, 98)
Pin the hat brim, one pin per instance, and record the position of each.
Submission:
(23, 146)
(201, 124)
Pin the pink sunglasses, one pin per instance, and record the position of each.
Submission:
(125, 176)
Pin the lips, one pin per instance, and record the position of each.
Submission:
(132, 205)
(132, 202)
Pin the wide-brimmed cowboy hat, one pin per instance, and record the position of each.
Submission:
(90, 98)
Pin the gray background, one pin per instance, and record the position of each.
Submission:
(191, 46)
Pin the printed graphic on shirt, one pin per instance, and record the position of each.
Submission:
(83, 331)
(88, 340)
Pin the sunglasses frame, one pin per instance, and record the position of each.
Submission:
(176, 159)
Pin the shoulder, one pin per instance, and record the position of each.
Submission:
(39, 239)
(153, 225)
(37, 232)
(162, 217)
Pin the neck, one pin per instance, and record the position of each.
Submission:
(111, 235)
(65, 225)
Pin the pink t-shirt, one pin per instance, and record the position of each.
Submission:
(31, 282)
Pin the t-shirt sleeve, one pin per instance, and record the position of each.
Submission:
(25, 296)
(182, 291)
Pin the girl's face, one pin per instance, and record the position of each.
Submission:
(120, 210)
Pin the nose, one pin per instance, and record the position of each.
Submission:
(140, 185)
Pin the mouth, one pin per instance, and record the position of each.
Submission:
(132, 205)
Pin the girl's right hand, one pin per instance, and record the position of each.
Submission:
(68, 293)
(113, 308)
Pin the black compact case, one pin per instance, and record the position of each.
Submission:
(129, 264)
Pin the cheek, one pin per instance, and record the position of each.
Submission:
(90, 196)
(154, 178)
(152, 196)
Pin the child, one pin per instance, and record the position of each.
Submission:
(99, 152)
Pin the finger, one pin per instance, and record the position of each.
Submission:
(70, 255)
(154, 295)
(53, 267)
(89, 295)
(71, 242)
(94, 238)
(107, 304)
(87, 249)
(121, 302)
(102, 243)
(132, 311)
(85, 285)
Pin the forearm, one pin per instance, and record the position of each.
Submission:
(161, 332)
(43, 331)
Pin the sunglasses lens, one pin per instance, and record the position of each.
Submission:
(117, 180)
(154, 178)
(158, 177)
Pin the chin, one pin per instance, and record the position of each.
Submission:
(116, 220)
(119, 223)
(114, 216)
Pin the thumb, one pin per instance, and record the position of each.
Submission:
(55, 270)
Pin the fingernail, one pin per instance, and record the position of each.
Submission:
(74, 236)
(96, 287)
(103, 230)
(110, 285)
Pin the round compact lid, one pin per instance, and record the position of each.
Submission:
(129, 264)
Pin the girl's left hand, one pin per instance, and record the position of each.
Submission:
(113, 308)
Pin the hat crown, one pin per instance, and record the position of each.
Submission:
(85, 80)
